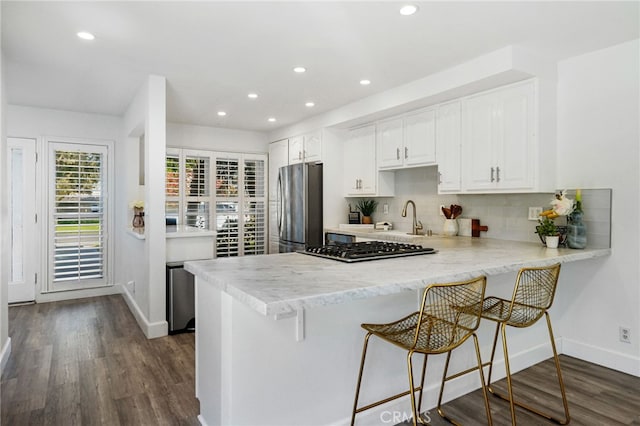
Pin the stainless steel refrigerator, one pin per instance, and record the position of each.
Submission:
(299, 206)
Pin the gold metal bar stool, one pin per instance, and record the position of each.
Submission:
(532, 297)
(448, 316)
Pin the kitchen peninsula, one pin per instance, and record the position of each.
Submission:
(279, 339)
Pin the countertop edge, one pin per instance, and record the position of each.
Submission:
(281, 307)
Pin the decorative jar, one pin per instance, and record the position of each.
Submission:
(576, 230)
(450, 227)
(138, 218)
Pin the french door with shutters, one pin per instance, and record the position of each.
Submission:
(240, 204)
(79, 216)
(21, 161)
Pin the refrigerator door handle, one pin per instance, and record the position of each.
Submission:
(280, 201)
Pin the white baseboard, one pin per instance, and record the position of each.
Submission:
(201, 421)
(615, 360)
(150, 329)
(57, 296)
(399, 410)
(4, 356)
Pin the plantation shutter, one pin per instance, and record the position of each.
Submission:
(78, 244)
(227, 206)
(254, 214)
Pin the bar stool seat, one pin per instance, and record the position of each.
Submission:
(449, 315)
(532, 297)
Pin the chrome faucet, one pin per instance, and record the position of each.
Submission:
(417, 225)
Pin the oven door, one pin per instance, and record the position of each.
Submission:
(334, 237)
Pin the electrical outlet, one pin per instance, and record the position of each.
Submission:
(385, 208)
(625, 334)
(534, 213)
(440, 210)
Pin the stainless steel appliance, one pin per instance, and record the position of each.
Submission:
(180, 299)
(367, 250)
(299, 205)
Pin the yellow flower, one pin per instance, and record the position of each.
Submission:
(137, 204)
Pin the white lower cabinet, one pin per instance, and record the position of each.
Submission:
(498, 139)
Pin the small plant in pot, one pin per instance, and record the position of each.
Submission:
(548, 232)
(367, 207)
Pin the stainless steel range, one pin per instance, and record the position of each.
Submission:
(367, 250)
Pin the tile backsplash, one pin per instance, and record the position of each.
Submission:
(506, 215)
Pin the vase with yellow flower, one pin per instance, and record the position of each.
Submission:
(138, 214)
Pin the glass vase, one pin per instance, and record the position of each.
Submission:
(576, 231)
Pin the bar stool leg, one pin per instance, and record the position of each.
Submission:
(364, 354)
(503, 328)
(565, 403)
(412, 388)
(493, 354)
(487, 407)
(424, 370)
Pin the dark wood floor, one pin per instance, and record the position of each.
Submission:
(86, 362)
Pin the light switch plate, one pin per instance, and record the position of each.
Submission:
(534, 213)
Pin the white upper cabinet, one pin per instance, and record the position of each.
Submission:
(306, 148)
(498, 139)
(448, 139)
(407, 141)
(278, 157)
(420, 138)
(390, 143)
(361, 176)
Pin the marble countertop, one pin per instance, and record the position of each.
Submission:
(283, 283)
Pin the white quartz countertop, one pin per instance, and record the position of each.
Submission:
(282, 283)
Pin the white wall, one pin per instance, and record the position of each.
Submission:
(5, 342)
(39, 124)
(598, 146)
(143, 261)
(216, 139)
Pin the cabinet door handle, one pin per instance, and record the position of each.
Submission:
(492, 172)
(304, 154)
(498, 174)
(397, 153)
(299, 155)
(439, 178)
(406, 152)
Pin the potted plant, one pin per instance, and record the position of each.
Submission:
(548, 232)
(367, 207)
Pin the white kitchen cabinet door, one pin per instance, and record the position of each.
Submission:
(516, 154)
(296, 150)
(312, 150)
(448, 140)
(419, 138)
(360, 161)
(278, 157)
(498, 139)
(389, 135)
(361, 174)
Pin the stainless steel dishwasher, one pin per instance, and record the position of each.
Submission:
(180, 299)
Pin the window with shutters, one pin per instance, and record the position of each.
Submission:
(234, 202)
(78, 216)
(188, 188)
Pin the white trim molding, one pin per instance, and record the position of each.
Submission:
(4, 356)
(150, 329)
(607, 358)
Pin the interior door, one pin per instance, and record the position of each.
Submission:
(21, 157)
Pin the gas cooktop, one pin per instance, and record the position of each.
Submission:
(367, 250)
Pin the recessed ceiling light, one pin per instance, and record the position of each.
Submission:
(252, 95)
(299, 70)
(222, 113)
(408, 9)
(365, 82)
(271, 119)
(309, 104)
(85, 35)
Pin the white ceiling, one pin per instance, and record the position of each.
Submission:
(214, 53)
